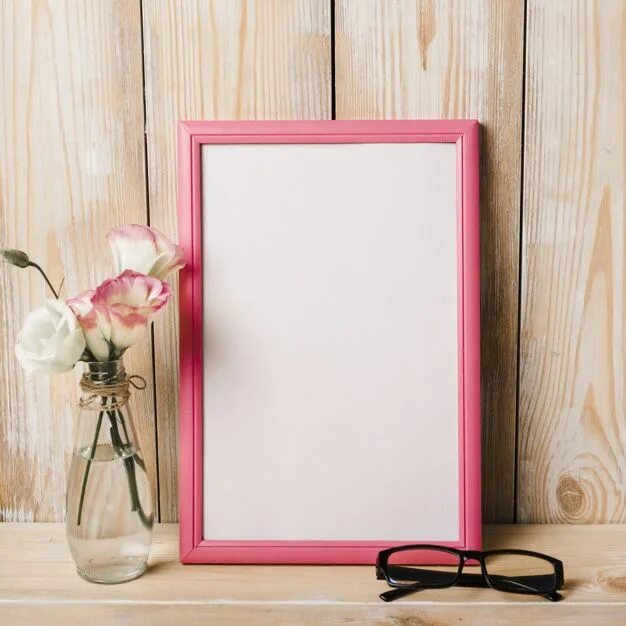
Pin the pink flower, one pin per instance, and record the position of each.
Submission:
(145, 250)
(116, 314)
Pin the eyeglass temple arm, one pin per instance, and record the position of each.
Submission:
(522, 582)
(394, 594)
(464, 580)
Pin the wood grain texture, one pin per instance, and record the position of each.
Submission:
(572, 450)
(38, 581)
(219, 59)
(53, 614)
(71, 167)
(71, 81)
(448, 59)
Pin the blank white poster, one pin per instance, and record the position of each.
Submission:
(330, 342)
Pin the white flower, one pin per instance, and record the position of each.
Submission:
(144, 250)
(51, 340)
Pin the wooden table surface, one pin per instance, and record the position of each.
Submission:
(38, 585)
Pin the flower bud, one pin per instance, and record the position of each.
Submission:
(15, 257)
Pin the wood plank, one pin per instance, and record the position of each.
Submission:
(572, 450)
(445, 59)
(366, 615)
(222, 59)
(36, 564)
(71, 167)
(37, 577)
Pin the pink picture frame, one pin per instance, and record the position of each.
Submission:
(192, 135)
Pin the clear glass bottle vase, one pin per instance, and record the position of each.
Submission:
(109, 504)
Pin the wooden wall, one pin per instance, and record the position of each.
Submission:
(90, 93)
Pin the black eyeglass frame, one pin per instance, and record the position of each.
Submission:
(464, 579)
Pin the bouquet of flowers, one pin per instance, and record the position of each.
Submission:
(108, 531)
(100, 324)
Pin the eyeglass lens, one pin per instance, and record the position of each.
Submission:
(417, 567)
(520, 573)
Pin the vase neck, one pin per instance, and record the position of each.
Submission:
(105, 386)
(105, 392)
(105, 372)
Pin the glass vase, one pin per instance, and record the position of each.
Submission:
(109, 503)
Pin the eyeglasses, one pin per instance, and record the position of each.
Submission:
(515, 571)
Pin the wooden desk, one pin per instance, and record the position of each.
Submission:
(38, 585)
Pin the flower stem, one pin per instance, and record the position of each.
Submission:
(136, 456)
(129, 465)
(92, 453)
(37, 267)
